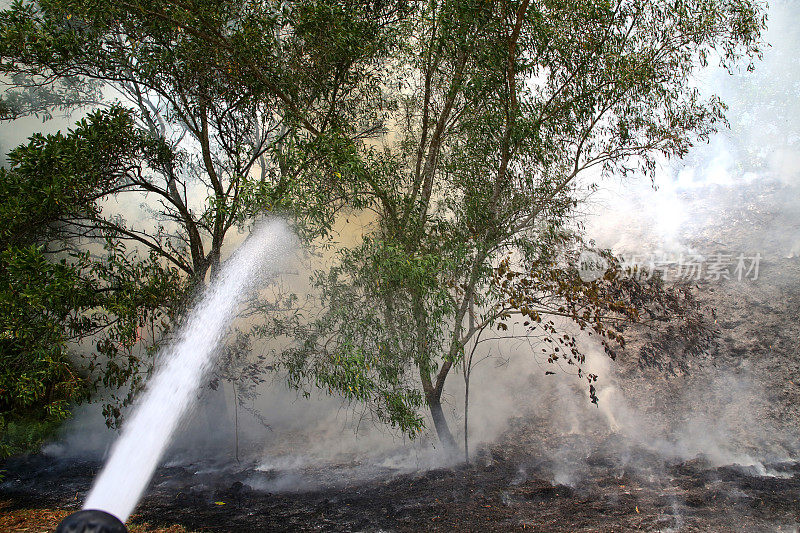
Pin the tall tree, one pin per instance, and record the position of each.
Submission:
(502, 106)
(201, 107)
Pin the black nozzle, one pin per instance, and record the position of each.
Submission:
(91, 521)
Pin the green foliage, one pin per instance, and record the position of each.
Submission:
(47, 306)
(41, 307)
(209, 111)
(500, 110)
(59, 178)
(54, 295)
(24, 435)
(497, 110)
(352, 350)
(232, 88)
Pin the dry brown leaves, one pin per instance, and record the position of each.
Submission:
(46, 520)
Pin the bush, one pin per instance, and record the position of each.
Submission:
(25, 435)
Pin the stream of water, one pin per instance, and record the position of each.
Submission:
(170, 392)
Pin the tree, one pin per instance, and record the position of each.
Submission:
(55, 294)
(200, 106)
(501, 108)
(188, 72)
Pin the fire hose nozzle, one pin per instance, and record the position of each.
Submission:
(91, 521)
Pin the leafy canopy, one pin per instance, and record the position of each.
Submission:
(199, 110)
(503, 111)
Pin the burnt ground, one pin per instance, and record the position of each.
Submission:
(615, 482)
(503, 490)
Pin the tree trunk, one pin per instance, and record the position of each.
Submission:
(236, 421)
(466, 418)
(440, 423)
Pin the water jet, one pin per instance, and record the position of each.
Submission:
(168, 395)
